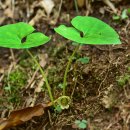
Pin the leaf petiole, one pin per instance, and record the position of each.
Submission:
(67, 69)
(43, 75)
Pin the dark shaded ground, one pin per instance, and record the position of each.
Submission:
(99, 96)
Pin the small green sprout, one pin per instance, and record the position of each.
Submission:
(81, 124)
(21, 36)
(64, 102)
(128, 10)
(12, 36)
(60, 86)
(122, 80)
(86, 30)
(122, 16)
(84, 60)
(58, 109)
(116, 17)
(89, 30)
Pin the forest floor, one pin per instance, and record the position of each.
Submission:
(100, 90)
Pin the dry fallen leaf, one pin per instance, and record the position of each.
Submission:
(43, 59)
(20, 116)
(47, 5)
(40, 13)
(38, 89)
(9, 13)
(109, 97)
(81, 3)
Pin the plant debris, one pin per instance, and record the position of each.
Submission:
(20, 116)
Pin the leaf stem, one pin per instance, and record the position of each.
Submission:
(76, 6)
(67, 69)
(43, 75)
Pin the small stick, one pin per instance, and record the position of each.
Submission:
(32, 78)
(110, 4)
(13, 57)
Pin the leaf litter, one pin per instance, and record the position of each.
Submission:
(20, 116)
(87, 104)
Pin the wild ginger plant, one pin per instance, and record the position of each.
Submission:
(85, 30)
(22, 36)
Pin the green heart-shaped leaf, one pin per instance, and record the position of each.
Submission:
(11, 36)
(84, 60)
(93, 31)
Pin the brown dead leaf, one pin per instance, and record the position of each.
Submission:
(81, 3)
(47, 5)
(20, 116)
(2, 20)
(43, 59)
(9, 13)
(109, 97)
(38, 89)
(111, 5)
(40, 13)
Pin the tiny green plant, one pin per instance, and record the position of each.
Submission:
(83, 60)
(122, 80)
(123, 16)
(86, 30)
(81, 124)
(22, 36)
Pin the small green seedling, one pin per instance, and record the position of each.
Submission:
(58, 109)
(13, 36)
(86, 30)
(81, 124)
(63, 102)
(89, 30)
(123, 16)
(22, 36)
(128, 10)
(122, 80)
(83, 60)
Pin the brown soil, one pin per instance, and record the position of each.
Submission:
(97, 95)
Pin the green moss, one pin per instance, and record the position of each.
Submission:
(18, 78)
(14, 82)
(26, 61)
(122, 80)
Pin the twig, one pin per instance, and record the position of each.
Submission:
(32, 78)
(73, 88)
(110, 4)
(13, 6)
(88, 7)
(103, 80)
(59, 11)
(1, 77)
(13, 57)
